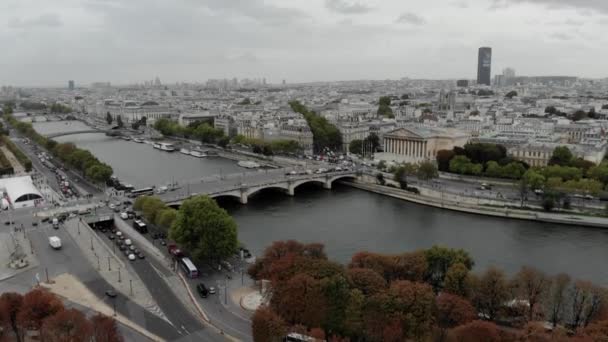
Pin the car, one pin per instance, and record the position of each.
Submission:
(116, 210)
(126, 251)
(124, 216)
(141, 255)
(128, 242)
(211, 290)
(589, 197)
(111, 237)
(111, 293)
(202, 290)
(111, 206)
(35, 224)
(163, 242)
(117, 233)
(132, 247)
(122, 247)
(132, 257)
(45, 219)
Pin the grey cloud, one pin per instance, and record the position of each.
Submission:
(347, 6)
(411, 18)
(596, 5)
(460, 4)
(48, 20)
(561, 36)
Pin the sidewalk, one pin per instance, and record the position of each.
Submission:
(72, 289)
(7, 247)
(110, 266)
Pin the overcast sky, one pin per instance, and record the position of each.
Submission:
(122, 41)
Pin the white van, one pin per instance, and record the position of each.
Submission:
(55, 242)
(55, 223)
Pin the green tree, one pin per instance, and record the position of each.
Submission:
(325, 134)
(165, 218)
(109, 118)
(205, 229)
(562, 156)
(119, 122)
(457, 281)
(356, 146)
(99, 172)
(440, 259)
(384, 107)
(152, 207)
(511, 94)
(380, 178)
(534, 179)
(427, 170)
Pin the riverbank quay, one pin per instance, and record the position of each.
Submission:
(473, 205)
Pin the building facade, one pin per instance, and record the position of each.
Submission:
(414, 145)
(484, 66)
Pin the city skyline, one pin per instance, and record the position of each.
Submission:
(125, 42)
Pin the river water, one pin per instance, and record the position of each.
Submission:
(348, 220)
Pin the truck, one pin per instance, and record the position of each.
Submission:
(55, 242)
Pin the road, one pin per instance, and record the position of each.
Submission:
(183, 320)
(70, 260)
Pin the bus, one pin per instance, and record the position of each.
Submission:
(140, 226)
(189, 268)
(141, 192)
(293, 337)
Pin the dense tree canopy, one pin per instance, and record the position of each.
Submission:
(205, 230)
(325, 134)
(380, 297)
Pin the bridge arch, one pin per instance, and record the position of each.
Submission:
(254, 190)
(296, 184)
(335, 178)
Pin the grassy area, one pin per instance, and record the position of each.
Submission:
(5, 166)
(21, 157)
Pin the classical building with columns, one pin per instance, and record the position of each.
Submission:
(413, 145)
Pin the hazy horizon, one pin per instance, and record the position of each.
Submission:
(301, 41)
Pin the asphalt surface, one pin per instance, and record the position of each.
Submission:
(151, 273)
(69, 259)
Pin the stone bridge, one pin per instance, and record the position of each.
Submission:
(254, 183)
(111, 132)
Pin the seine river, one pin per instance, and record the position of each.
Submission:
(348, 220)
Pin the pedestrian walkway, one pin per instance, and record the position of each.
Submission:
(67, 286)
(110, 266)
(15, 255)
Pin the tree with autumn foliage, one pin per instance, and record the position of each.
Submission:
(452, 311)
(366, 280)
(491, 292)
(556, 298)
(66, 325)
(37, 305)
(105, 329)
(267, 326)
(530, 285)
(10, 304)
(476, 331)
(300, 300)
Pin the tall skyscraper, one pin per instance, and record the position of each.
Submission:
(71, 85)
(484, 66)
